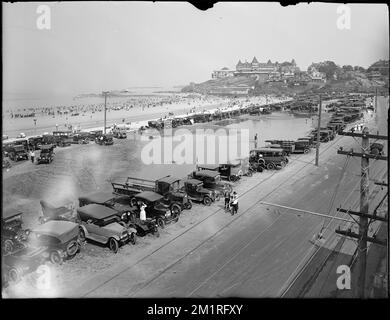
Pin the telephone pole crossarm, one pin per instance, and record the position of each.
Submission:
(362, 155)
(351, 234)
(362, 135)
(362, 214)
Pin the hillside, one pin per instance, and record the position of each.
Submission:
(357, 81)
(207, 86)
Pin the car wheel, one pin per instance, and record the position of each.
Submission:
(133, 202)
(207, 201)
(133, 238)
(249, 173)
(161, 222)
(282, 164)
(133, 217)
(82, 234)
(114, 245)
(175, 209)
(270, 166)
(306, 151)
(259, 169)
(72, 249)
(56, 258)
(176, 217)
(188, 205)
(13, 275)
(8, 246)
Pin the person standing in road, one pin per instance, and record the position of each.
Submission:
(256, 141)
(234, 202)
(142, 213)
(32, 155)
(227, 199)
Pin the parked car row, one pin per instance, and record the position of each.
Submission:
(111, 219)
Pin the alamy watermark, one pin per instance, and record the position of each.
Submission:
(206, 146)
(44, 17)
(344, 20)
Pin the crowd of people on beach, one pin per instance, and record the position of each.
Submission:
(142, 102)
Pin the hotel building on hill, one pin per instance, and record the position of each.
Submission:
(261, 70)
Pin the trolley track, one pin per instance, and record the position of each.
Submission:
(299, 170)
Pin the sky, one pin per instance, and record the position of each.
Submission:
(95, 46)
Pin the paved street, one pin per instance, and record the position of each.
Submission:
(260, 251)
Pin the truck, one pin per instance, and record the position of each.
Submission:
(288, 146)
(169, 187)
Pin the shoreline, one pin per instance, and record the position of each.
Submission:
(133, 122)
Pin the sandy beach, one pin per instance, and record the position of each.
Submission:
(122, 114)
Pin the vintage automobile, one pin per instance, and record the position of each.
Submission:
(167, 186)
(63, 213)
(309, 139)
(13, 236)
(231, 170)
(102, 225)
(94, 133)
(212, 180)
(105, 139)
(126, 212)
(201, 117)
(156, 209)
(47, 154)
(34, 143)
(119, 133)
(63, 138)
(270, 157)
(49, 139)
(120, 203)
(288, 146)
(54, 241)
(196, 192)
(302, 146)
(156, 124)
(17, 153)
(376, 148)
(80, 138)
(338, 125)
(245, 166)
(324, 135)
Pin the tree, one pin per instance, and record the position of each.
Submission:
(347, 68)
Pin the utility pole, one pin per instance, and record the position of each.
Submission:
(376, 99)
(318, 132)
(363, 214)
(363, 221)
(105, 109)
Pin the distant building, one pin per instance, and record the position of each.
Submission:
(269, 71)
(255, 67)
(222, 73)
(374, 75)
(316, 75)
